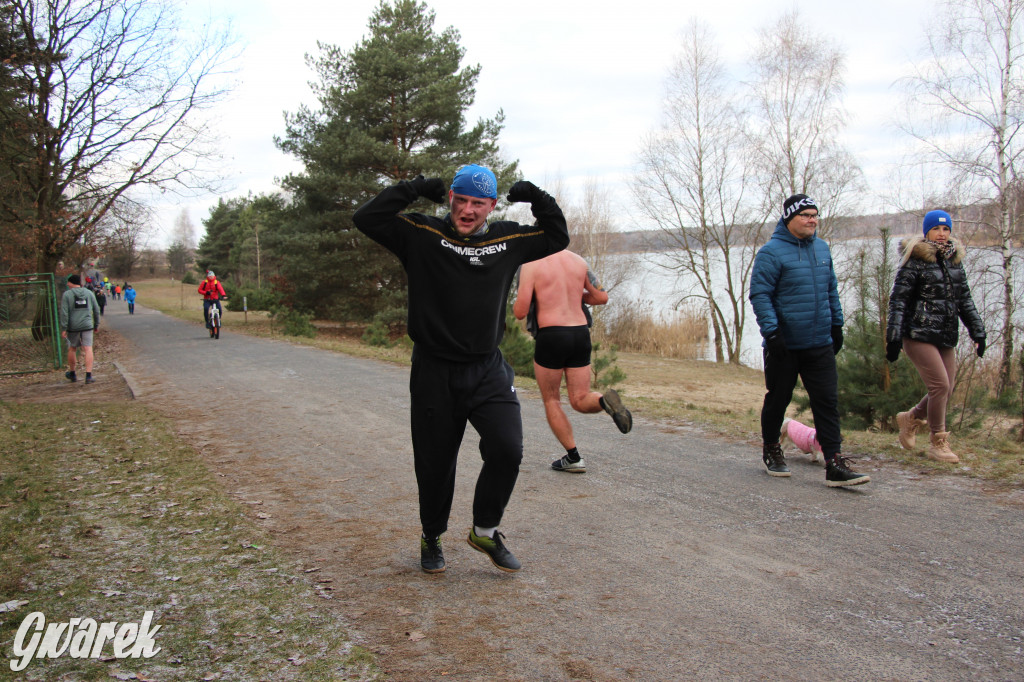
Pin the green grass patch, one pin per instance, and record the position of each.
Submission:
(105, 515)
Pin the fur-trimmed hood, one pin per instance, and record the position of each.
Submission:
(920, 248)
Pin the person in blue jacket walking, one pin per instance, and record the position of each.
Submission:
(795, 297)
(129, 296)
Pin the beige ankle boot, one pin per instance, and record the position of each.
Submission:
(908, 429)
(939, 450)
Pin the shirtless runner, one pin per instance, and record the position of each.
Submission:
(559, 284)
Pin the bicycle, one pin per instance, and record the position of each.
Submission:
(214, 322)
(213, 318)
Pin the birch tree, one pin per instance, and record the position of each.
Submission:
(692, 184)
(795, 93)
(965, 102)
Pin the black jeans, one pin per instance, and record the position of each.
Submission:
(816, 367)
(445, 397)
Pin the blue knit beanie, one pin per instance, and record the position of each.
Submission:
(475, 181)
(933, 218)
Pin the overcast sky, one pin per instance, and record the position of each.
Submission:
(580, 83)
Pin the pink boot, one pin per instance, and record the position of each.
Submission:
(803, 437)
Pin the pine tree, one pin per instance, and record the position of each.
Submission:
(871, 390)
(389, 109)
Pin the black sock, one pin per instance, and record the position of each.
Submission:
(572, 455)
(600, 401)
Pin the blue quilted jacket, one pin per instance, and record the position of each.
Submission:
(793, 289)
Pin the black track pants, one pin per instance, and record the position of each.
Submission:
(445, 396)
(816, 367)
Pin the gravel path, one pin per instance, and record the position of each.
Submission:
(675, 557)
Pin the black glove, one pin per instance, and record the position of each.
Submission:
(892, 350)
(981, 347)
(524, 190)
(837, 339)
(430, 188)
(775, 344)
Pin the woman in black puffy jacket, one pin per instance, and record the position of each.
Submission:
(929, 299)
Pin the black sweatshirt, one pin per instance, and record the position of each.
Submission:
(458, 286)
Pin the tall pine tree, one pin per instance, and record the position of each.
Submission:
(389, 109)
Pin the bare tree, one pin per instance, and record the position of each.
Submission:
(966, 110)
(592, 228)
(795, 93)
(692, 184)
(116, 90)
(122, 234)
(184, 230)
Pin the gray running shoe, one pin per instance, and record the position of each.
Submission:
(572, 467)
(613, 406)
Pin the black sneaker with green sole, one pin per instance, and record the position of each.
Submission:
(431, 555)
(495, 548)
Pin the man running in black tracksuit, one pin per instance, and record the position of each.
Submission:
(460, 268)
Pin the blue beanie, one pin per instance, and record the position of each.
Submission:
(475, 181)
(933, 218)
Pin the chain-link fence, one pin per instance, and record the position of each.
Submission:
(29, 335)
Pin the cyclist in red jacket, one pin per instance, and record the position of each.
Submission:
(212, 292)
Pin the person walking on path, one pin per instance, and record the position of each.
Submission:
(795, 296)
(101, 298)
(930, 297)
(460, 269)
(555, 289)
(129, 297)
(79, 317)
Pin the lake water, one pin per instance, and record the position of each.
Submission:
(662, 291)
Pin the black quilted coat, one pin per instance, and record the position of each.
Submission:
(930, 296)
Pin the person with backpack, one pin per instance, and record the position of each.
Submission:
(212, 291)
(79, 317)
(101, 298)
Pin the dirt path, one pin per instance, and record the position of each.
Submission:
(674, 557)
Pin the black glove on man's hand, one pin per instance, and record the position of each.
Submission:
(837, 339)
(430, 188)
(775, 344)
(981, 347)
(524, 190)
(892, 350)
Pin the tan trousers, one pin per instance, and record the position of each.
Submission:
(937, 367)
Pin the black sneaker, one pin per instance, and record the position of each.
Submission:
(495, 548)
(839, 474)
(89, 379)
(774, 460)
(563, 464)
(431, 555)
(613, 406)
(70, 376)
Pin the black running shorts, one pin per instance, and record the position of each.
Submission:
(561, 347)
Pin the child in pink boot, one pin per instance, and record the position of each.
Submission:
(803, 437)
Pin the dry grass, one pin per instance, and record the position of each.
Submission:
(636, 329)
(105, 515)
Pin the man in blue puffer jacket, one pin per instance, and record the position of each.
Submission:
(795, 297)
